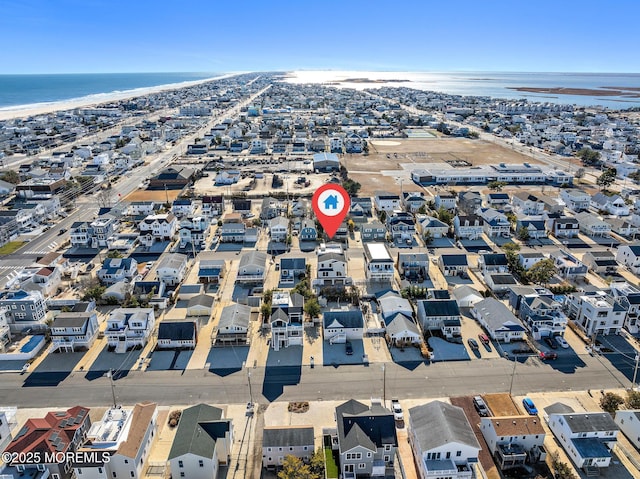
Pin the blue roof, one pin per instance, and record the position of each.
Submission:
(209, 272)
(293, 263)
(590, 447)
(348, 319)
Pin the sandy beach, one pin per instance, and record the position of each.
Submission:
(22, 111)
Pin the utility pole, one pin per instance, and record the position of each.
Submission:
(250, 393)
(384, 386)
(513, 373)
(635, 372)
(113, 387)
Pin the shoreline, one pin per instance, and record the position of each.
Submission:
(605, 91)
(34, 109)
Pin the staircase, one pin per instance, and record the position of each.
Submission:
(591, 471)
(339, 338)
(121, 347)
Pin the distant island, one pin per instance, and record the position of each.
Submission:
(368, 80)
(630, 92)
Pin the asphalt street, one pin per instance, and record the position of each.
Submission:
(320, 383)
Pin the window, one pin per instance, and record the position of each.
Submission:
(126, 461)
(114, 474)
(458, 453)
(200, 463)
(180, 464)
(132, 474)
(362, 465)
(182, 474)
(448, 455)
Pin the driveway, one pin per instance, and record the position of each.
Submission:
(227, 360)
(446, 351)
(335, 354)
(620, 353)
(284, 368)
(121, 364)
(53, 369)
(169, 360)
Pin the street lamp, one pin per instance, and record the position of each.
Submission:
(113, 386)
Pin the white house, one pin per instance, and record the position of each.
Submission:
(72, 330)
(177, 334)
(252, 267)
(613, 205)
(117, 269)
(126, 434)
(587, 438)
(468, 226)
(499, 322)
(592, 225)
(527, 260)
(378, 262)
(129, 327)
(387, 202)
(172, 268)
(160, 227)
(576, 200)
(202, 442)
(629, 256)
(341, 326)
(141, 208)
(279, 228)
(443, 442)
(287, 311)
(596, 312)
(279, 442)
(527, 203)
(332, 270)
(629, 423)
(512, 440)
(446, 200)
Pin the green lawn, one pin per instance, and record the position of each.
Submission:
(11, 247)
(330, 463)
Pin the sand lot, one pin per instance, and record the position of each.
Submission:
(389, 162)
(152, 195)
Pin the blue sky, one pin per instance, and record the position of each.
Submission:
(67, 36)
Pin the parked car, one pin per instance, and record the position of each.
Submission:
(552, 344)
(348, 348)
(562, 342)
(398, 415)
(548, 355)
(483, 338)
(62, 231)
(481, 406)
(473, 343)
(529, 406)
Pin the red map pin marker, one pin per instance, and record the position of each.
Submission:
(331, 204)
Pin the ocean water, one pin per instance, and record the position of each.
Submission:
(492, 84)
(23, 90)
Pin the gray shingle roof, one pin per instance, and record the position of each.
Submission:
(234, 315)
(438, 423)
(359, 425)
(287, 436)
(348, 319)
(177, 330)
(199, 428)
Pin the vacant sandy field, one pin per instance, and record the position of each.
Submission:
(501, 404)
(390, 162)
(152, 195)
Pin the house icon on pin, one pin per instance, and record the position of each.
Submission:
(331, 202)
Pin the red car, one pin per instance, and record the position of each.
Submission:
(483, 338)
(548, 355)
